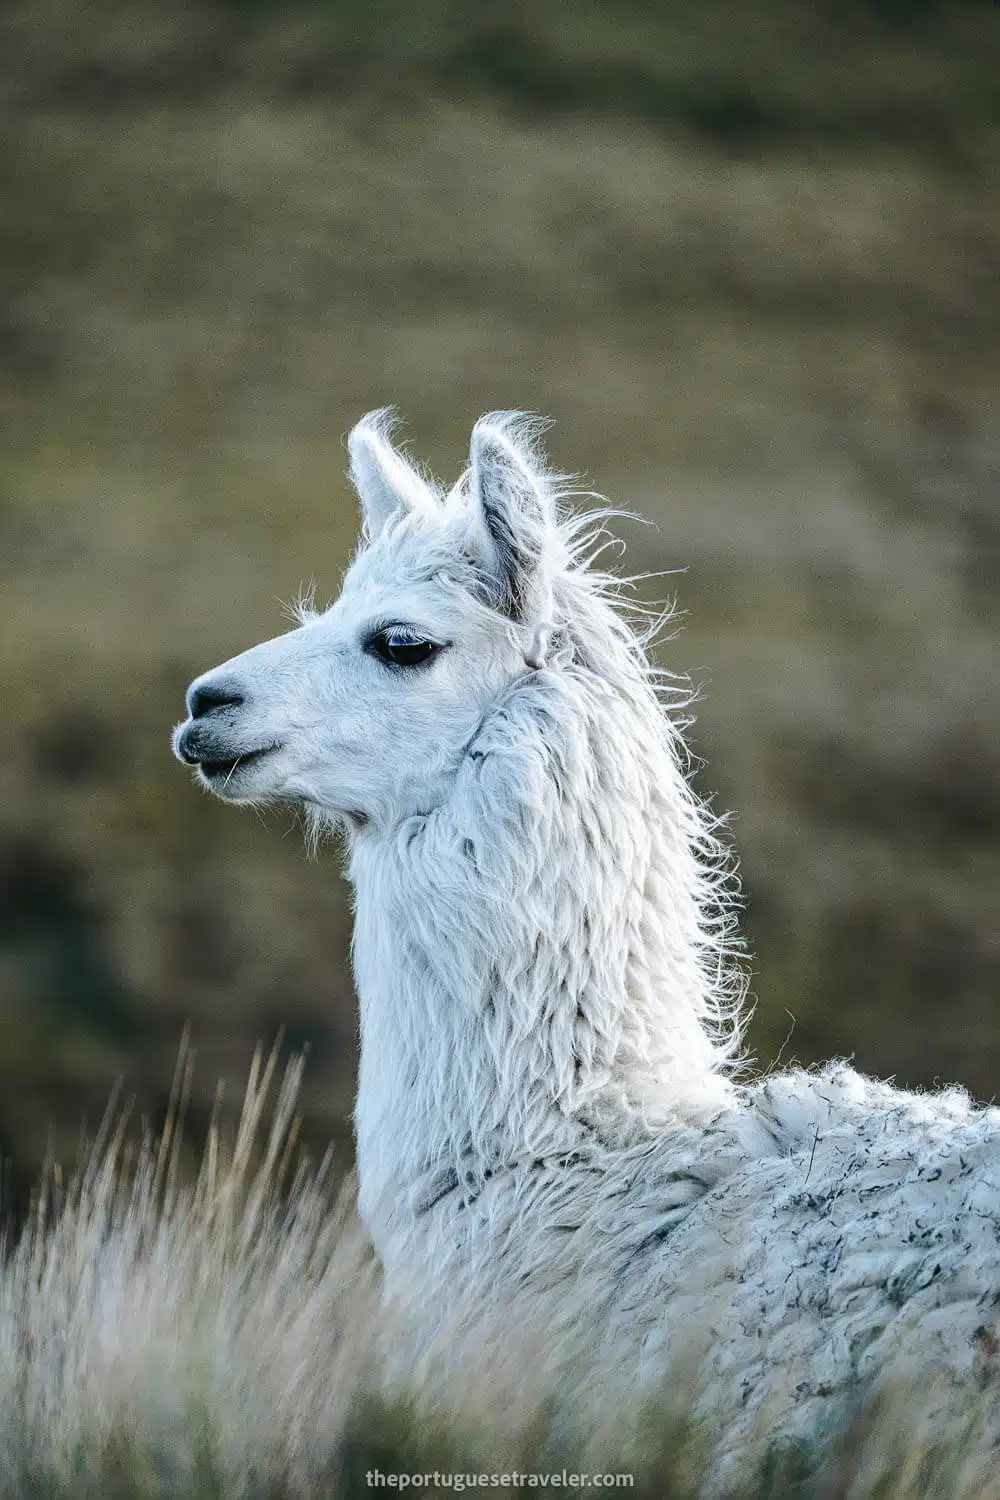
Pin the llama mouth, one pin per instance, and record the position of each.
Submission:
(216, 770)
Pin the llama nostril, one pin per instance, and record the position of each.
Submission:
(201, 700)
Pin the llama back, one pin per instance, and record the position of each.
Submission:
(828, 1234)
(855, 1242)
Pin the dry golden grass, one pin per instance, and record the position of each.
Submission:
(222, 1337)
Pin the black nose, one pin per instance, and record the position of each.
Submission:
(201, 700)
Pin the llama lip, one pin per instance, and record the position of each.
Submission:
(213, 769)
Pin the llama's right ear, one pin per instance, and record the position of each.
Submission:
(512, 512)
(386, 483)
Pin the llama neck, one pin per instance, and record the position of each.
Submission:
(533, 957)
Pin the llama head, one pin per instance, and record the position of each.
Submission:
(363, 713)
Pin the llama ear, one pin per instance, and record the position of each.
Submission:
(512, 514)
(385, 481)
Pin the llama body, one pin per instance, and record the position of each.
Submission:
(549, 1127)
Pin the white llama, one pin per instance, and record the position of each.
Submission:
(549, 1128)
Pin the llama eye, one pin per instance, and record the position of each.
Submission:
(401, 649)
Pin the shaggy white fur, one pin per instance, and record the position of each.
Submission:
(549, 1123)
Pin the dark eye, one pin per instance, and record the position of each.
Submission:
(401, 648)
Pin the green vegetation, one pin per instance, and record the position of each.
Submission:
(746, 256)
(227, 231)
(916, 74)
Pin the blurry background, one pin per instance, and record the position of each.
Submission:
(745, 254)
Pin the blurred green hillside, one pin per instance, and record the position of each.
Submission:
(747, 257)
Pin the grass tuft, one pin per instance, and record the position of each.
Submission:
(222, 1337)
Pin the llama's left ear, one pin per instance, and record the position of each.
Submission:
(386, 483)
(513, 516)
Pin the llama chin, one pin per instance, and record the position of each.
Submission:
(551, 1118)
